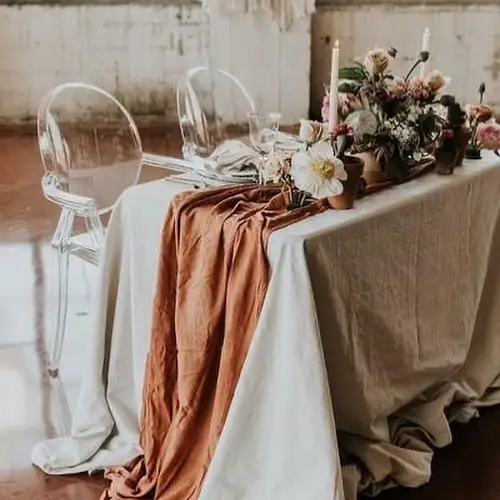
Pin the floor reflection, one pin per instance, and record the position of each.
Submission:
(36, 402)
(32, 405)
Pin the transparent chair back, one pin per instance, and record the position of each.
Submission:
(212, 106)
(91, 152)
(89, 145)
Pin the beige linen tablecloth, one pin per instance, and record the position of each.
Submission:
(404, 290)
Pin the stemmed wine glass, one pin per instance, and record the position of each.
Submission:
(263, 135)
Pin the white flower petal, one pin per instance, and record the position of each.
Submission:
(307, 180)
(300, 160)
(340, 171)
(333, 187)
(322, 149)
(302, 178)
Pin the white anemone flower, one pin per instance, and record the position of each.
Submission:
(318, 171)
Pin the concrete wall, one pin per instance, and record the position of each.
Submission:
(465, 43)
(138, 52)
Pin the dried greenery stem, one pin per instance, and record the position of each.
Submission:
(475, 121)
(422, 57)
(296, 198)
(482, 90)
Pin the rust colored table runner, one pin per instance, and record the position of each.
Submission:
(212, 279)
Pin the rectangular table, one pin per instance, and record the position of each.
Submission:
(389, 314)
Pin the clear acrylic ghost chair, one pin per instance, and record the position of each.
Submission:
(91, 152)
(212, 106)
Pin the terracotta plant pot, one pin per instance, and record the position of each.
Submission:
(354, 168)
(372, 173)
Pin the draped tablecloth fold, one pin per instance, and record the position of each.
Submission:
(212, 279)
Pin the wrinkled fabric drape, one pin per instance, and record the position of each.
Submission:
(212, 279)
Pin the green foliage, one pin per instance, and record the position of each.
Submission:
(361, 66)
(353, 73)
(349, 87)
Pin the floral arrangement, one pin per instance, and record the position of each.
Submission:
(393, 117)
(316, 168)
(485, 130)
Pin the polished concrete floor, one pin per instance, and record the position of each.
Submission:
(33, 407)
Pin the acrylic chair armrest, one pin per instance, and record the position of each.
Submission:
(167, 162)
(82, 205)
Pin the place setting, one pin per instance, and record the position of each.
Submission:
(240, 160)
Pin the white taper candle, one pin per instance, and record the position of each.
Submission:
(426, 41)
(334, 81)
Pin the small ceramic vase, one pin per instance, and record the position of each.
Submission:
(354, 168)
(372, 173)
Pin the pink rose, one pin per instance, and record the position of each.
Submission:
(347, 103)
(342, 129)
(418, 89)
(488, 136)
(396, 87)
(325, 109)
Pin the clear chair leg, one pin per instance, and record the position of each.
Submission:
(95, 230)
(60, 243)
(61, 311)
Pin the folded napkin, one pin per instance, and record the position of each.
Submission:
(235, 160)
(287, 143)
(234, 156)
(232, 161)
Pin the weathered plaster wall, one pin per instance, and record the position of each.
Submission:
(138, 52)
(465, 43)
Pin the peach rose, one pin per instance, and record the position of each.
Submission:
(435, 81)
(377, 61)
(275, 167)
(312, 132)
(481, 112)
